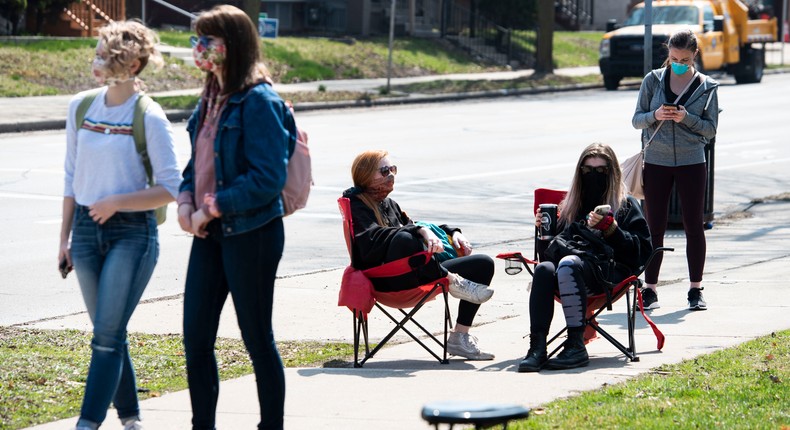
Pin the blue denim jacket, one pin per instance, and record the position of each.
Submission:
(255, 138)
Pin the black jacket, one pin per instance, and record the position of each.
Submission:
(371, 240)
(630, 241)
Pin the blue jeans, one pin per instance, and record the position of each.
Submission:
(244, 265)
(114, 263)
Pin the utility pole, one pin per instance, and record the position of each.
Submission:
(648, 59)
(544, 61)
(392, 37)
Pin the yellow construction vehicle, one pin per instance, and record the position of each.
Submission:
(728, 40)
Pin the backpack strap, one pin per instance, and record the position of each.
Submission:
(82, 108)
(138, 132)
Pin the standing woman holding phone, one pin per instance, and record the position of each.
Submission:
(242, 135)
(108, 212)
(676, 155)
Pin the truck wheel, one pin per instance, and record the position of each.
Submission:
(611, 82)
(750, 70)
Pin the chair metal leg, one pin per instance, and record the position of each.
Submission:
(400, 325)
(564, 329)
(631, 304)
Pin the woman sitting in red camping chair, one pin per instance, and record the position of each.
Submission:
(597, 181)
(384, 233)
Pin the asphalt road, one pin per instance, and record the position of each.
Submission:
(473, 164)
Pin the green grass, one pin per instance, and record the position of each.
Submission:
(51, 67)
(745, 387)
(56, 66)
(576, 49)
(43, 372)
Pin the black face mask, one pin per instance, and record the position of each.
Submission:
(594, 187)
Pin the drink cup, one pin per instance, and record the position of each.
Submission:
(548, 221)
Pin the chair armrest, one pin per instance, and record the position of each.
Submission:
(652, 255)
(400, 266)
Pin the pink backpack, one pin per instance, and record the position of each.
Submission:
(300, 176)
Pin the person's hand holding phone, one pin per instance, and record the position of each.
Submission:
(596, 215)
(666, 112)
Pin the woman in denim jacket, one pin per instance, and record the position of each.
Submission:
(676, 155)
(242, 135)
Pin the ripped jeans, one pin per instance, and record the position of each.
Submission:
(573, 280)
(113, 263)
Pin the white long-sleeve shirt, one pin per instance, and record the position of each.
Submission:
(101, 158)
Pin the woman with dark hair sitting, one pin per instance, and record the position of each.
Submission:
(597, 181)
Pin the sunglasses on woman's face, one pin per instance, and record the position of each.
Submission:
(386, 170)
(200, 40)
(600, 169)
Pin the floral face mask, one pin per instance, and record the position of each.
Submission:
(208, 52)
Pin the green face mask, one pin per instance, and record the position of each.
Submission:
(679, 69)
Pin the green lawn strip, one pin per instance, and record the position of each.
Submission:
(744, 387)
(57, 66)
(576, 48)
(43, 372)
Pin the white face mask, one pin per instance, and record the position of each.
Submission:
(102, 75)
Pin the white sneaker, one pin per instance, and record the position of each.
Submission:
(465, 345)
(471, 291)
(133, 425)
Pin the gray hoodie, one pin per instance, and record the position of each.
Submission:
(677, 144)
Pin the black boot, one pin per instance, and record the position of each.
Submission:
(536, 357)
(574, 354)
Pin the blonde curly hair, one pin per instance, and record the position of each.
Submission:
(126, 41)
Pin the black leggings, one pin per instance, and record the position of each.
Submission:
(477, 268)
(690, 183)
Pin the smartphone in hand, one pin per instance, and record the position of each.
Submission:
(670, 106)
(64, 268)
(602, 210)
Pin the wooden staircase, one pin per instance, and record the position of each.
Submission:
(85, 18)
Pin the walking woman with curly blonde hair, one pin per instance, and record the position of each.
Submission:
(108, 211)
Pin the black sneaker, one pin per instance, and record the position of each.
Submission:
(696, 301)
(649, 299)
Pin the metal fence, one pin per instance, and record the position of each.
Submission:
(484, 38)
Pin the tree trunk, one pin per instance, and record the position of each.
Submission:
(252, 8)
(544, 60)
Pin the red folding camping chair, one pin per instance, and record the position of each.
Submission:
(357, 293)
(629, 287)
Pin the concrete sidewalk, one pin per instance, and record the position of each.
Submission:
(746, 271)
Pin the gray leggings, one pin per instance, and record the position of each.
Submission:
(573, 280)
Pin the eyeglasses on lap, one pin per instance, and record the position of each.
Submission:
(386, 170)
(589, 169)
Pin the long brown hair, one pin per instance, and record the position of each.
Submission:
(615, 188)
(242, 67)
(363, 171)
